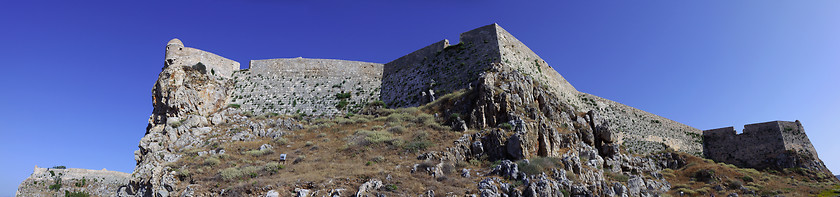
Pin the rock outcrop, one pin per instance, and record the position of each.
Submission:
(186, 98)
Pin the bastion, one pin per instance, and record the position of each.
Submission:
(777, 144)
(206, 62)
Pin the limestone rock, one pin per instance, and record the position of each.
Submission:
(368, 189)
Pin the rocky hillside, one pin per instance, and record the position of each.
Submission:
(58, 181)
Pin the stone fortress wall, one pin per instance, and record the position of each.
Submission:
(96, 182)
(643, 132)
(439, 68)
(758, 144)
(214, 65)
(301, 85)
(305, 86)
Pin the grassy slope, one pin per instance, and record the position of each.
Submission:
(789, 182)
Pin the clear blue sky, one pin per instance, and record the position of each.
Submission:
(77, 76)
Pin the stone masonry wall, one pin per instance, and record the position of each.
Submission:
(795, 139)
(758, 144)
(747, 149)
(214, 65)
(440, 68)
(308, 86)
(643, 132)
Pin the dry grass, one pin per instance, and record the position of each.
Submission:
(343, 152)
(689, 180)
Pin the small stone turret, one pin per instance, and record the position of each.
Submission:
(208, 63)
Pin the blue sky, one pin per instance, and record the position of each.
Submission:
(78, 75)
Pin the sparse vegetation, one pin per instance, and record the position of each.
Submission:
(506, 126)
(231, 173)
(538, 165)
(75, 194)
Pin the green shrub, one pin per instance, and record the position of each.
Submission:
(377, 103)
(397, 129)
(734, 184)
(415, 146)
(378, 159)
(257, 153)
(617, 176)
(281, 141)
(81, 183)
(506, 126)
(419, 141)
(475, 162)
(212, 161)
(687, 191)
(234, 106)
(252, 171)
(343, 95)
(704, 175)
(59, 167)
(231, 173)
(55, 186)
(538, 165)
(747, 179)
(75, 194)
(391, 187)
(341, 104)
(374, 137)
(273, 167)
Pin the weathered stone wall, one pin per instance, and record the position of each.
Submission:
(309, 86)
(643, 132)
(214, 65)
(440, 68)
(795, 139)
(749, 148)
(96, 182)
(760, 145)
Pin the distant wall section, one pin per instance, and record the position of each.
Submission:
(760, 145)
(306, 86)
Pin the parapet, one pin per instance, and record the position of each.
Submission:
(215, 65)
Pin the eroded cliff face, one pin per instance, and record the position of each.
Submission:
(523, 120)
(183, 95)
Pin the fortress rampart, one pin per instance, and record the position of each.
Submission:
(760, 145)
(307, 86)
